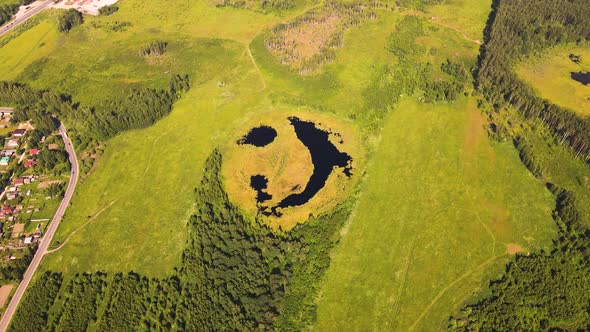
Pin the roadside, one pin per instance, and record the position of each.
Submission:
(46, 239)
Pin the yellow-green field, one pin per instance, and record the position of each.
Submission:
(440, 211)
(550, 76)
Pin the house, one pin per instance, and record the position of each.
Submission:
(19, 132)
(28, 240)
(11, 196)
(18, 182)
(30, 163)
(7, 209)
(6, 111)
(12, 143)
(4, 161)
(8, 153)
(34, 152)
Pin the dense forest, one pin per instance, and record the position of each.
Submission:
(522, 27)
(235, 274)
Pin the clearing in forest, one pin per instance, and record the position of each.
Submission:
(562, 75)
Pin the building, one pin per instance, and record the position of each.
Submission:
(4, 161)
(18, 182)
(30, 163)
(7, 209)
(12, 143)
(8, 153)
(34, 152)
(19, 132)
(6, 111)
(28, 240)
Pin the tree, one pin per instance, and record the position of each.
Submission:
(70, 19)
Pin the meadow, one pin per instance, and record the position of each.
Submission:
(440, 210)
(549, 74)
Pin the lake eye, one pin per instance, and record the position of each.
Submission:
(259, 136)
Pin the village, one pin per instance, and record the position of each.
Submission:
(33, 174)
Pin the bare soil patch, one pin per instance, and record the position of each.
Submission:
(513, 248)
(4, 294)
(17, 230)
(46, 184)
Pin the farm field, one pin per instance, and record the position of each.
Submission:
(549, 74)
(441, 212)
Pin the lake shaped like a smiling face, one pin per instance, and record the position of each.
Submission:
(324, 156)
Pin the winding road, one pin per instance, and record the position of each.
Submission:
(32, 12)
(46, 239)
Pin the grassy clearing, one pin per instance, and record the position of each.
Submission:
(439, 209)
(463, 16)
(549, 75)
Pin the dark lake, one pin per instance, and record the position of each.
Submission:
(325, 158)
(582, 77)
(259, 136)
(259, 183)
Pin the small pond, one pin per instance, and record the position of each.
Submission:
(582, 77)
(259, 136)
(259, 183)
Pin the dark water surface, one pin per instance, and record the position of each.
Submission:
(260, 183)
(324, 156)
(259, 136)
(582, 77)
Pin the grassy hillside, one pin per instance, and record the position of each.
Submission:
(441, 211)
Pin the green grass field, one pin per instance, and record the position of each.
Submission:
(439, 207)
(549, 75)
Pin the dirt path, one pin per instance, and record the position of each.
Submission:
(80, 227)
(257, 69)
(437, 22)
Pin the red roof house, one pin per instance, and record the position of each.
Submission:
(30, 163)
(34, 152)
(7, 209)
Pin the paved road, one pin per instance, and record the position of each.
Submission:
(46, 239)
(32, 12)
